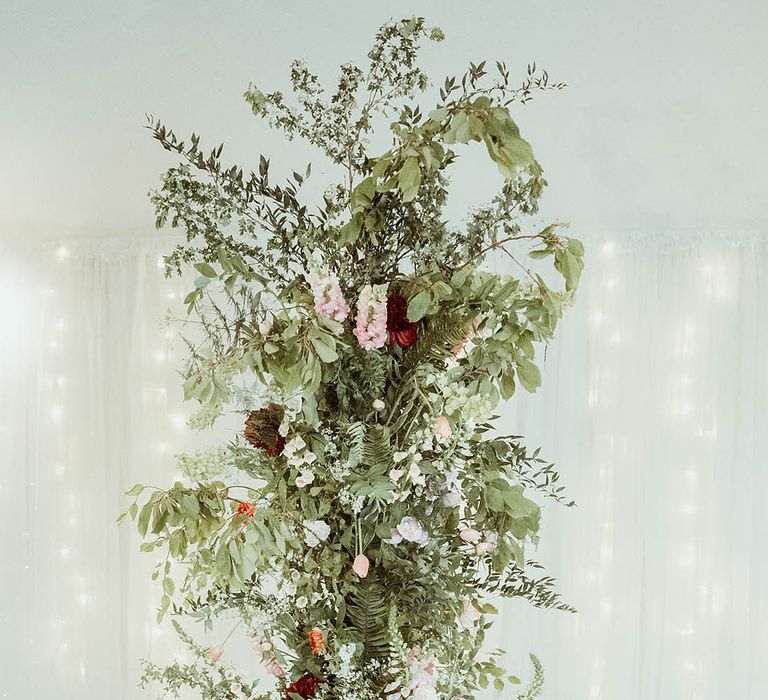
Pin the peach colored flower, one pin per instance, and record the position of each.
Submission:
(361, 565)
(215, 653)
(246, 510)
(316, 641)
(443, 427)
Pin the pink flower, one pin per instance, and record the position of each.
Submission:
(443, 427)
(275, 669)
(329, 300)
(470, 616)
(360, 565)
(371, 320)
(215, 653)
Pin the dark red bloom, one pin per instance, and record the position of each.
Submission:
(306, 687)
(261, 429)
(401, 330)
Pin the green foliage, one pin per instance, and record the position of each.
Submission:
(383, 455)
(536, 685)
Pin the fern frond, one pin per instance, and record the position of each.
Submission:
(536, 686)
(368, 618)
(356, 432)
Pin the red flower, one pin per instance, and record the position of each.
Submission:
(246, 509)
(261, 429)
(401, 330)
(306, 687)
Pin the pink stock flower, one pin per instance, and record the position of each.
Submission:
(329, 300)
(371, 321)
(273, 668)
(361, 565)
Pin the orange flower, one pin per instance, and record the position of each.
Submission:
(245, 509)
(316, 641)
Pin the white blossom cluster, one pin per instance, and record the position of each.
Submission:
(205, 465)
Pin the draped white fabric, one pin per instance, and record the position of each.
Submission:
(653, 405)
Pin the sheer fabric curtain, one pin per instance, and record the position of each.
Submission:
(653, 405)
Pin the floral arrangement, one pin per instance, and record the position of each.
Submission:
(361, 525)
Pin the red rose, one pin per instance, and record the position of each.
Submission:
(401, 330)
(261, 429)
(306, 687)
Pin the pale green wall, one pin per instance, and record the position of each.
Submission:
(664, 125)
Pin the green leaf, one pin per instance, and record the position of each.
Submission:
(409, 178)
(439, 114)
(350, 232)
(576, 247)
(540, 253)
(144, 516)
(324, 346)
(507, 384)
(529, 375)
(418, 306)
(206, 270)
(135, 491)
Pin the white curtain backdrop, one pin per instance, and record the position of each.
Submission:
(653, 406)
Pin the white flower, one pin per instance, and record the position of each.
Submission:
(296, 453)
(315, 532)
(378, 405)
(265, 327)
(470, 535)
(306, 477)
(399, 457)
(415, 475)
(302, 602)
(395, 474)
(410, 530)
(489, 543)
(452, 499)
